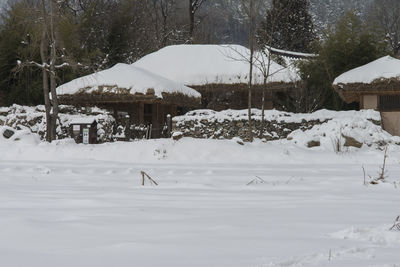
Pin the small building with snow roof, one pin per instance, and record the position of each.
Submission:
(221, 74)
(146, 97)
(375, 85)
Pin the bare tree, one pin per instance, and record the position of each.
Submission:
(265, 39)
(163, 16)
(49, 11)
(251, 45)
(194, 6)
(385, 16)
(248, 9)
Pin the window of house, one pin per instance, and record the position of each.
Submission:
(389, 102)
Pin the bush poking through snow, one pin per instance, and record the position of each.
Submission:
(147, 177)
(382, 174)
(396, 224)
(257, 180)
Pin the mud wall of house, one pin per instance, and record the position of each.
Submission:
(390, 119)
(391, 122)
(369, 102)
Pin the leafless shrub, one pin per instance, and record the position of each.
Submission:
(365, 179)
(257, 180)
(396, 224)
(144, 176)
(382, 175)
(338, 142)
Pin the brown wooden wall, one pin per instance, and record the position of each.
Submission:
(143, 114)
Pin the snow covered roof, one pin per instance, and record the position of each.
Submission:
(383, 68)
(291, 54)
(125, 79)
(378, 77)
(196, 65)
(83, 120)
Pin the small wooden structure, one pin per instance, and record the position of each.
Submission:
(375, 86)
(84, 130)
(140, 100)
(221, 74)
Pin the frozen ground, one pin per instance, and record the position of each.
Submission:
(73, 205)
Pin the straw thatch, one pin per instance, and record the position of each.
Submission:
(351, 92)
(123, 97)
(271, 87)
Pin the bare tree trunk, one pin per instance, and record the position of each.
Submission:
(268, 67)
(191, 18)
(43, 52)
(250, 86)
(51, 106)
(263, 104)
(194, 6)
(266, 76)
(45, 85)
(53, 84)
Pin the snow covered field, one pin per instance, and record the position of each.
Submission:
(64, 204)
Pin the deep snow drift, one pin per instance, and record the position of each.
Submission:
(63, 204)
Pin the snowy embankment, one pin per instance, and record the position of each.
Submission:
(26, 120)
(324, 127)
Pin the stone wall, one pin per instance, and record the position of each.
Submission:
(269, 130)
(33, 119)
(234, 123)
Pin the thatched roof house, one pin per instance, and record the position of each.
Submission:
(145, 96)
(375, 85)
(126, 84)
(219, 72)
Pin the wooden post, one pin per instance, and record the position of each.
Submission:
(127, 128)
(169, 124)
(141, 112)
(154, 121)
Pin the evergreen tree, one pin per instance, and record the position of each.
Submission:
(288, 26)
(16, 24)
(384, 16)
(348, 45)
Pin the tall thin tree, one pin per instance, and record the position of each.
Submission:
(251, 62)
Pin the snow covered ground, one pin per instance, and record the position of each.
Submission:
(64, 204)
